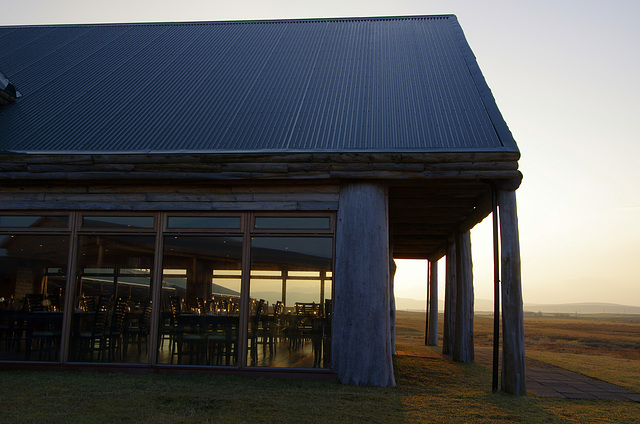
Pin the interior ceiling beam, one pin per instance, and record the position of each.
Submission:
(429, 203)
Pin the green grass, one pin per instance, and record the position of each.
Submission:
(429, 390)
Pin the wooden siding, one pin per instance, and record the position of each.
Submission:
(431, 195)
(174, 197)
(259, 166)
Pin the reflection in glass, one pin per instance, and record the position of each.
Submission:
(115, 222)
(30, 221)
(282, 222)
(290, 302)
(204, 222)
(112, 303)
(201, 286)
(32, 281)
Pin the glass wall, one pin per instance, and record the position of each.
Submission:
(290, 302)
(201, 287)
(33, 275)
(112, 302)
(233, 290)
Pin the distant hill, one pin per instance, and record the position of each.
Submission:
(583, 308)
(405, 304)
(485, 305)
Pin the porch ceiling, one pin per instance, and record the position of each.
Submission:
(424, 214)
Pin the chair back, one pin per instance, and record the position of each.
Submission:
(100, 317)
(89, 303)
(176, 305)
(117, 316)
(33, 303)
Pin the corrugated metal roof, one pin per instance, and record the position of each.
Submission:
(362, 84)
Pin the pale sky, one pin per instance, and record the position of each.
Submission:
(564, 75)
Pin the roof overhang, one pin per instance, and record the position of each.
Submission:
(431, 196)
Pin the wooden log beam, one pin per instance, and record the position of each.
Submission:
(481, 211)
(392, 301)
(513, 360)
(432, 333)
(249, 166)
(169, 158)
(463, 345)
(173, 206)
(448, 339)
(362, 351)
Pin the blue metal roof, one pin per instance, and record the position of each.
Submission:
(407, 84)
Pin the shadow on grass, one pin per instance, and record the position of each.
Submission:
(429, 390)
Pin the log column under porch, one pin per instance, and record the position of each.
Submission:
(449, 325)
(362, 342)
(513, 360)
(458, 300)
(432, 318)
(463, 339)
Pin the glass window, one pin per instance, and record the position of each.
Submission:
(290, 302)
(283, 222)
(204, 222)
(201, 286)
(117, 222)
(32, 286)
(112, 304)
(198, 308)
(34, 221)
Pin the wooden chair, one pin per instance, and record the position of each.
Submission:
(34, 303)
(19, 326)
(43, 334)
(262, 331)
(139, 332)
(114, 331)
(89, 303)
(93, 340)
(188, 337)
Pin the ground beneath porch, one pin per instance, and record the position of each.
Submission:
(547, 380)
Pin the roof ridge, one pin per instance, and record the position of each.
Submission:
(241, 22)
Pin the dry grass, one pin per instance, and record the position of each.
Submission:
(429, 390)
(606, 347)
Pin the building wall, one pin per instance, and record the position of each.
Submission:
(206, 196)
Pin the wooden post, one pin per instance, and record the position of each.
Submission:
(433, 307)
(285, 275)
(362, 351)
(513, 361)
(392, 300)
(450, 300)
(463, 345)
(428, 305)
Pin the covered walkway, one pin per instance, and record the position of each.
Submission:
(549, 381)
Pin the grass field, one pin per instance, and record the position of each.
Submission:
(429, 390)
(606, 347)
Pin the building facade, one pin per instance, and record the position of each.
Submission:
(230, 196)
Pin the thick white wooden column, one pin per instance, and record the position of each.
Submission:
(432, 333)
(362, 345)
(449, 324)
(463, 344)
(513, 361)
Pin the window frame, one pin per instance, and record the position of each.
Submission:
(160, 228)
